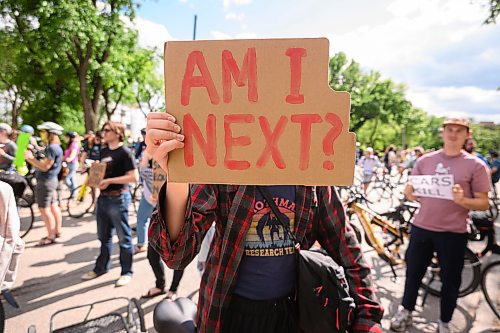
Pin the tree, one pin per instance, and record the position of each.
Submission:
(371, 97)
(72, 44)
(374, 102)
(15, 93)
(494, 10)
(136, 83)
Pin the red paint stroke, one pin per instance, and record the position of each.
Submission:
(306, 121)
(207, 147)
(248, 73)
(272, 138)
(330, 138)
(204, 80)
(231, 141)
(296, 54)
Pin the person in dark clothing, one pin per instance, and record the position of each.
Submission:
(112, 204)
(248, 286)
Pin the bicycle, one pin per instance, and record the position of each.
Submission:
(132, 322)
(490, 285)
(482, 228)
(137, 195)
(25, 203)
(386, 233)
(82, 198)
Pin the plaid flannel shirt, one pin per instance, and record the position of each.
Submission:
(231, 207)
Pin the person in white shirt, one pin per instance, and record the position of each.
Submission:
(369, 162)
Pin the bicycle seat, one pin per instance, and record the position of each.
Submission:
(175, 316)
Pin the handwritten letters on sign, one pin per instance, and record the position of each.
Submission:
(257, 112)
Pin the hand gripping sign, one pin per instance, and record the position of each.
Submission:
(257, 112)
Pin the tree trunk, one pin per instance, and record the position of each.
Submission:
(373, 132)
(90, 116)
(15, 114)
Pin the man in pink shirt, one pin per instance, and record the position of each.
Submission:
(441, 225)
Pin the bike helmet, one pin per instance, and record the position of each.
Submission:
(51, 127)
(27, 129)
(71, 134)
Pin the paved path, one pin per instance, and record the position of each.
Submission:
(49, 280)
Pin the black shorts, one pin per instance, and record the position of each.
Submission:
(45, 192)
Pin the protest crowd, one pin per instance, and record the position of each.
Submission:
(183, 220)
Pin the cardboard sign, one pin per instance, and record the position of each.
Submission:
(159, 178)
(432, 186)
(257, 112)
(23, 139)
(96, 174)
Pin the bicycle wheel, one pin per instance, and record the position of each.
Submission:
(471, 276)
(26, 216)
(79, 203)
(135, 316)
(490, 284)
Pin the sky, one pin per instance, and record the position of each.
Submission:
(439, 49)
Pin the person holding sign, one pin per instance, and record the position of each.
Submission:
(441, 224)
(249, 278)
(113, 202)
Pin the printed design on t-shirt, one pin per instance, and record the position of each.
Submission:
(266, 236)
(441, 170)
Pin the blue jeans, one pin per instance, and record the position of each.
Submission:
(143, 215)
(70, 178)
(112, 212)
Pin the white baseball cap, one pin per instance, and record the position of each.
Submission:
(51, 127)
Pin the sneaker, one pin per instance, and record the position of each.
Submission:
(123, 280)
(402, 320)
(89, 276)
(443, 327)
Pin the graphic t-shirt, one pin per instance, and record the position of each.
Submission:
(268, 267)
(119, 161)
(445, 215)
(93, 153)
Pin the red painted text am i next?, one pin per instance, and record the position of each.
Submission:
(247, 75)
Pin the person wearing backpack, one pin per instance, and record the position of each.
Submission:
(249, 281)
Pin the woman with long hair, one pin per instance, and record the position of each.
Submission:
(71, 158)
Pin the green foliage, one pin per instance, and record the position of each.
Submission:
(486, 138)
(494, 10)
(380, 113)
(371, 97)
(74, 59)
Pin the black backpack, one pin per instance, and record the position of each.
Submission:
(323, 300)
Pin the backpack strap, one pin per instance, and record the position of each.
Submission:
(279, 215)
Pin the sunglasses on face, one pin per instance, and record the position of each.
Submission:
(106, 130)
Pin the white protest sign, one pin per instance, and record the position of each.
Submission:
(432, 186)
